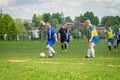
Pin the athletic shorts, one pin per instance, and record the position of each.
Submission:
(95, 39)
(111, 41)
(62, 40)
(51, 42)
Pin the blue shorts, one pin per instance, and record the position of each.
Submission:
(51, 42)
(95, 39)
(111, 41)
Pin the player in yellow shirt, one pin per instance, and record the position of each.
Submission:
(110, 38)
(94, 39)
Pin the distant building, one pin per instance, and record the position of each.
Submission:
(79, 25)
(69, 24)
(34, 33)
(101, 29)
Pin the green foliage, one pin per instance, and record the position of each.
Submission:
(36, 21)
(87, 16)
(8, 26)
(46, 17)
(68, 19)
(110, 20)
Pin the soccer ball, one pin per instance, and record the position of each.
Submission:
(42, 55)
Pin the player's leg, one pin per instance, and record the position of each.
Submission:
(49, 51)
(114, 45)
(92, 49)
(62, 44)
(109, 47)
(118, 41)
(65, 45)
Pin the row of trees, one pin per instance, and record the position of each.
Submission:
(19, 26)
(87, 16)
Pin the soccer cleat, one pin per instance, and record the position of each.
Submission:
(87, 57)
(50, 56)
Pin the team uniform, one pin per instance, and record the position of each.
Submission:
(110, 36)
(50, 41)
(63, 38)
(110, 39)
(63, 35)
(94, 40)
(96, 37)
(50, 36)
(118, 38)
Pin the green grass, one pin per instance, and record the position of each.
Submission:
(21, 61)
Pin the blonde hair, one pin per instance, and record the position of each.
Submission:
(88, 21)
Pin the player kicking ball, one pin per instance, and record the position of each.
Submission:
(51, 39)
(94, 39)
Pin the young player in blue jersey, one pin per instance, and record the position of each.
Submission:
(68, 38)
(118, 37)
(94, 39)
(51, 39)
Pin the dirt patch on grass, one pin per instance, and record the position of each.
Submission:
(17, 61)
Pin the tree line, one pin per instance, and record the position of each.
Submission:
(13, 27)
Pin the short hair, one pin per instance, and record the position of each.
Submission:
(109, 25)
(48, 22)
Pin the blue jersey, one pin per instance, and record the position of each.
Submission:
(68, 37)
(118, 35)
(51, 34)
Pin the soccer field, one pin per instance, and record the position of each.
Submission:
(21, 61)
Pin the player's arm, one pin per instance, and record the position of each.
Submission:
(113, 34)
(59, 35)
(92, 35)
(56, 37)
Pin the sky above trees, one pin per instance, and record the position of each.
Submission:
(26, 8)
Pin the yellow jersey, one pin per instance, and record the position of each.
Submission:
(93, 28)
(110, 34)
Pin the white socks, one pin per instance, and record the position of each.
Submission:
(51, 51)
(88, 53)
(91, 51)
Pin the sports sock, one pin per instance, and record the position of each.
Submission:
(65, 45)
(52, 50)
(49, 52)
(62, 47)
(109, 48)
(93, 52)
(88, 53)
(115, 47)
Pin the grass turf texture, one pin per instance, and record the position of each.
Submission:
(21, 61)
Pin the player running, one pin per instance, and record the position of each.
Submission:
(51, 39)
(94, 39)
(110, 38)
(63, 37)
(118, 37)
